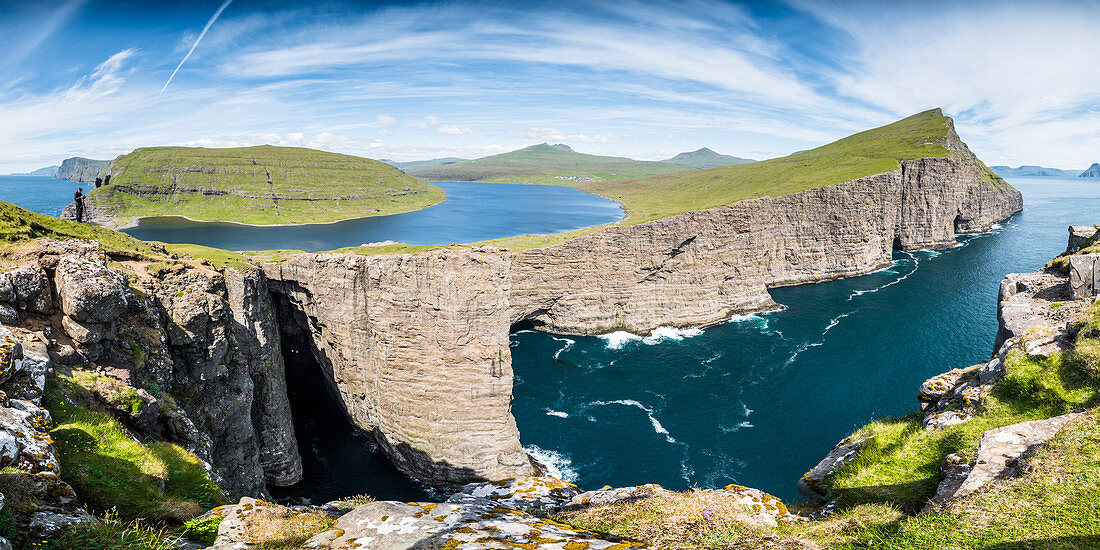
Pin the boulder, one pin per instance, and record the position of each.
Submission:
(87, 333)
(89, 291)
(463, 522)
(7, 291)
(1084, 276)
(32, 288)
(811, 484)
(609, 495)
(999, 454)
(1078, 234)
(763, 508)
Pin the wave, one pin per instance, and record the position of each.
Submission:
(620, 338)
(568, 344)
(657, 427)
(559, 414)
(555, 464)
(916, 266)
(807, 345)
(736, 428)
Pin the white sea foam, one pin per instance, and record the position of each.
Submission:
(737, 427)
(554, 463)
(916, 265)
(559, 414)
(568, 344)
(807, 345)
(743, 317)
(657, 427)
(619, 339)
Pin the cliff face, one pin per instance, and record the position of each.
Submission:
(417, 345)
(82, 170)
(417, 348)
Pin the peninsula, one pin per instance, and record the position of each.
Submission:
(253, 185)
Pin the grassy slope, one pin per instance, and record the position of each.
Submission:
(863, 154)
(543, 164)
(414, 165)
(306, 185)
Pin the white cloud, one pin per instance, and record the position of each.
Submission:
(553, 134)
(448, 130)
(386, 120)
(384, 132)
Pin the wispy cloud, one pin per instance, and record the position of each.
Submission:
(198, 39)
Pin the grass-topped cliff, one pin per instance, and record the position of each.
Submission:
(546, 164)
(257, 185)
(867, 153)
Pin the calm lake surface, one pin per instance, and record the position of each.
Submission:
(760, 399)
(472, 212)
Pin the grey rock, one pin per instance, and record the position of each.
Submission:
(32, 288)
(11, 355)
(1078, 234)
(7, 291)
(527, 494)
(8, 314)
(87, 333)
(90, 291)
(810, 485)
(1084, 277)
(467, 522)
(999, 454)
(614, 495)
(954, 469)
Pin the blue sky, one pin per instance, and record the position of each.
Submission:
(414, 80)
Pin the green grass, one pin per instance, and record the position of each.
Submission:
(160, 482)
(543, 164)
(19, 225)
(217, 257)
(866, 153)
(258, 185)
(110, 533)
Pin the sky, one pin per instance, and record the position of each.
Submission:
(418, 80)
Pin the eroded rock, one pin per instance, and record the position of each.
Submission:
(811, 484)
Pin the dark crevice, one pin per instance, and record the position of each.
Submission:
(338, 458)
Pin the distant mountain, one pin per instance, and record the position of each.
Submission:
(1092, 172)
(82, 170)
(548, 164)
(46, 172)
(1031, 171)
(421, 164)
(706, 158)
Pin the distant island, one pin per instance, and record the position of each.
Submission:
(1092, 172)
(546, 164)
(1030, 171)
(47, 172)
(421, 164)
(254, 185)
(706, 158)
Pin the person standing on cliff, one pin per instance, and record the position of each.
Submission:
(78, 198)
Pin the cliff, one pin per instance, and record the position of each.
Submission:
(414, 339)
(1092, 172)
(82, 170)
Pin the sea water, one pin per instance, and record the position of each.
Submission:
(759, 399)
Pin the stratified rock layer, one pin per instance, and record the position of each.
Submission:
(417, 345)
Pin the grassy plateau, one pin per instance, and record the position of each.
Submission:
(258, 185)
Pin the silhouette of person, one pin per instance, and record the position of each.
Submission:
(78, 198)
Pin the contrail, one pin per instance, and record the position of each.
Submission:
(195, 45)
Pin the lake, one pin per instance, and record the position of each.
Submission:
(472, 212)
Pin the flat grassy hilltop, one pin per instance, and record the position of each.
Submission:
(546, 164)
(258, 185)
(863, 154)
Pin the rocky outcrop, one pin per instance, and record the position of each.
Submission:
(812, 483)
(1092, 172)
(1000, 453)
(199, 349)
(1078, 235)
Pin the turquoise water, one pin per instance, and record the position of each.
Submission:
(42, 195)
(472, 212)
(760, 399)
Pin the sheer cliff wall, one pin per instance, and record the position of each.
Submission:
(418, 347)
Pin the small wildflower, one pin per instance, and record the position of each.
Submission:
(708, 514)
